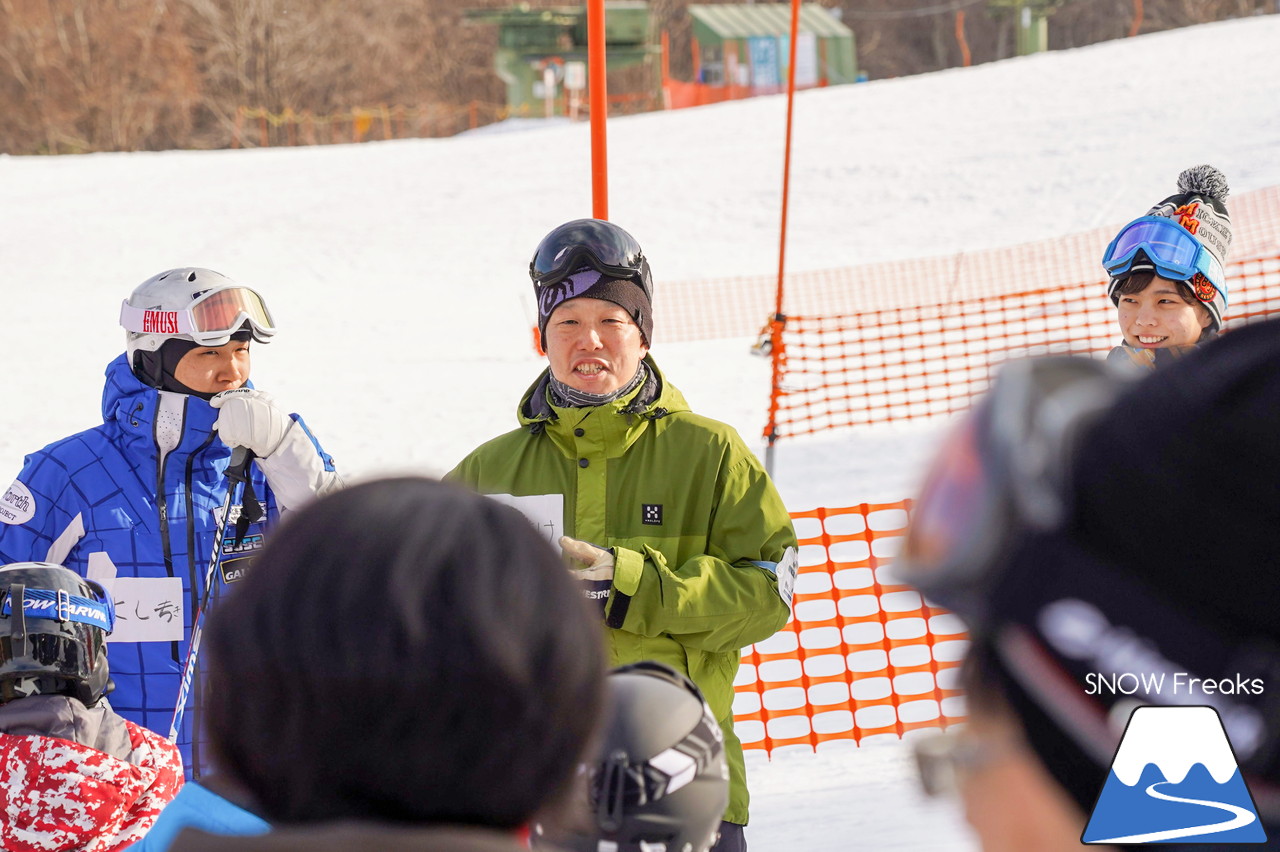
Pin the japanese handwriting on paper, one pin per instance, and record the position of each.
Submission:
(148, 609)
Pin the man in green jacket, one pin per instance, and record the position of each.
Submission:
(667, 518)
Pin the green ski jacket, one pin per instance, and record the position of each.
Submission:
(696, 526)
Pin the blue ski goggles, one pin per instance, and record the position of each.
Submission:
(60, 605)
(1170, 248)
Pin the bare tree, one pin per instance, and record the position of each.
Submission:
(93, 74)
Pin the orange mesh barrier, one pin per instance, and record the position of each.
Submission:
(862, 656)
(895, 364)
(739, 306)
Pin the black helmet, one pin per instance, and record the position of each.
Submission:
(53, 633)
(659, 782)
(597, 243)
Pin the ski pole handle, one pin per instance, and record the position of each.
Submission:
(238, 468)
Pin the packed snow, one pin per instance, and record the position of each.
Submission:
(397, 272)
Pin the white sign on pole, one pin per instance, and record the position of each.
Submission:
(575, 76)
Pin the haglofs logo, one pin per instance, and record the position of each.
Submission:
(651, 513)
(1174, 778)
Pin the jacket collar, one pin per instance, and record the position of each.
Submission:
(655, 398)
(132, 406)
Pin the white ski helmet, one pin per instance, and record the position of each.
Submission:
(199, 305)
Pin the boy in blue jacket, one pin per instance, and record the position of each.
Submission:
(136, 502)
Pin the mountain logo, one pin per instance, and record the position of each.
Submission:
(1174, 779)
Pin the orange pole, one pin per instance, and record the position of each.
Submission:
(786, 158)
(776, 350)
(966, 59)
(597, 85)
(1137, 18)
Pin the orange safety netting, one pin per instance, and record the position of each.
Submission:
(879, 366)
(863, 654)
(739, 306)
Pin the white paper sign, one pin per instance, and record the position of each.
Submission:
(544, 511)
(148, 609)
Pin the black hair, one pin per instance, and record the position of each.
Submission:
(1135, 283)
(1139, 281)
(407, 651)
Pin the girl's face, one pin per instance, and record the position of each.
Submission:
(1158, 317)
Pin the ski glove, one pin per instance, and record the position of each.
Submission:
(593, 568)
(250, 418)
(286, 451)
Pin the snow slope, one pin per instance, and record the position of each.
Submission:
(397, 271)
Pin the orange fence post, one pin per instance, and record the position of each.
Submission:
(1137, 18)
(966, 59)
(778, 316)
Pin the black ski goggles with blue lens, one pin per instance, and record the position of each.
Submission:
(591, 243)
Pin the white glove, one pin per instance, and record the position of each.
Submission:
(596, 574)
(286, 452)
(249, 418)
(597, 563)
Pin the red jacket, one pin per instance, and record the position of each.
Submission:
(56, 794)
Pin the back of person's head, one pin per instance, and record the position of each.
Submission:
(53, 633)
(407, 651)
(656, 780)
(1089, 528)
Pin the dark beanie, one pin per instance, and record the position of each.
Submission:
(590, 283)
(1164, 564)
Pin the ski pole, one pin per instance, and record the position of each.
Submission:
(237, 471)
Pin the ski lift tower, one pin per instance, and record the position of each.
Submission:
(540, 50)
(1031, 17)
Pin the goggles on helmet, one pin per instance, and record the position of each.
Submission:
(60, 605)
(589, 242)
(1003, 469)
(209, 320)
(1170, 248)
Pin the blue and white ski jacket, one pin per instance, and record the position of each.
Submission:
(104, 503)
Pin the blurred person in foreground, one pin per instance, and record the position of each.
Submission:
(74, 775)
(139, 503)
(672, 526)
(656, 780)
(1168, 271)
(432, 683)
(1092, 527)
